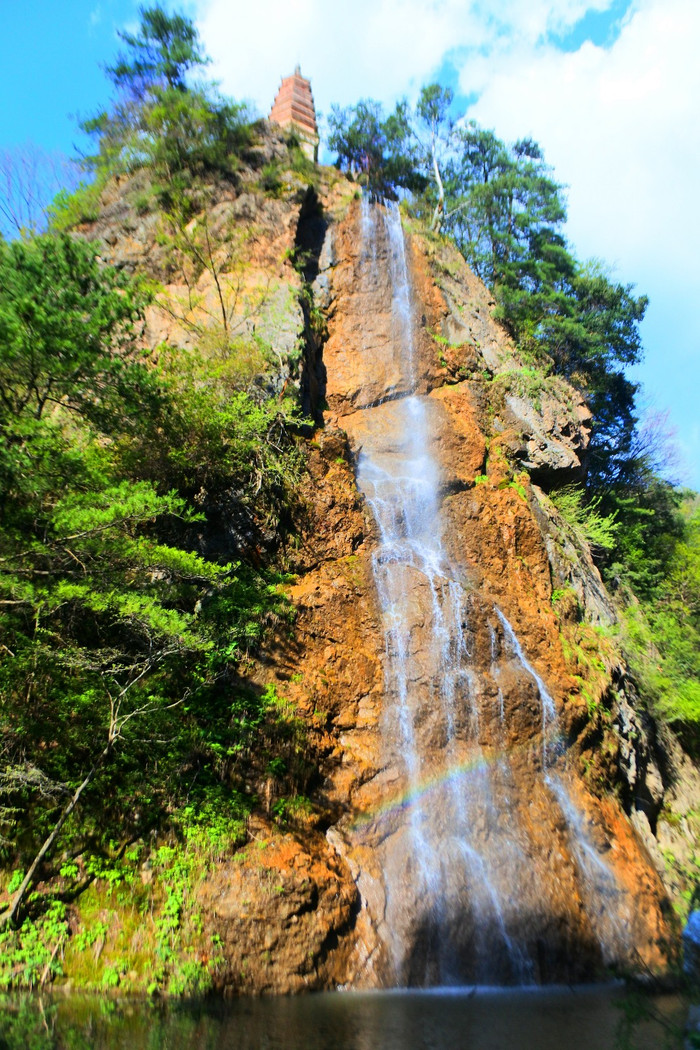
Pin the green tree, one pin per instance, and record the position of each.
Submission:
(120, 639)
(585, 521)
(593, 336)
(380, 151)
(433, 131)
(158, 119)
(505, 212)
(66, 332)
(160, 55)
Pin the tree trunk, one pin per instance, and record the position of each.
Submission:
(440, 206)
(9, 916)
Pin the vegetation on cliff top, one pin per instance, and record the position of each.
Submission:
(157, 119)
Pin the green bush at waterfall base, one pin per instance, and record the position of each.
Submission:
(139, 927)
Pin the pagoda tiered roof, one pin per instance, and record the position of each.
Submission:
(294, 106)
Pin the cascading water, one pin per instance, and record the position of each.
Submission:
(606, 903)
(468, 882)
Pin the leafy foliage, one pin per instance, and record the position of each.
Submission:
(158, 119)
(588, 525)
(504, 210)
(66, 330)
(69, 208)
(433, 132)
(376, 149)
(160, 54)
(660, 568)
(139, 502)
(125, 604)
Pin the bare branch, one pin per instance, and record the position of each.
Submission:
(29, 179)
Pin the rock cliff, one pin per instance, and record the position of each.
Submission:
(555, 873)
(496, 532)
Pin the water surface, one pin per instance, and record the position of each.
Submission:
(524, 1019)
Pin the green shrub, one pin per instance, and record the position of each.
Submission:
(69, 209)
(588, 526)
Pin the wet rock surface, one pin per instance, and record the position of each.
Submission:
(281, 910)
(529, 875)
(533, 873)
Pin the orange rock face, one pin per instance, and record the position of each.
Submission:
(462, 842)
(276, 913)
(488, 853)
(528, 876)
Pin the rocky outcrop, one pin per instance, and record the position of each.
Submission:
(498, 529)
(309, 902)
(286, 912)
(281, 916)
(225, 267)
(543, 421)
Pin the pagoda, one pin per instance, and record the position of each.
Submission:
(294, 108)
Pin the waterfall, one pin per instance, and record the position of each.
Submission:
(438, 857)
(467, 879)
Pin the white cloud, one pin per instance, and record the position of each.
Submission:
(367, 48)
(620, 128)
(378, 48)
(618, 125)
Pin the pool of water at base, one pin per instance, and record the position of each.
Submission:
(580, 1018)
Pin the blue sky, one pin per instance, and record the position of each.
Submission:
(609, 88)
(50, 66)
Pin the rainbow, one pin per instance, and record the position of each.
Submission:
(416, 793)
